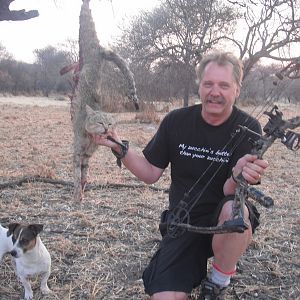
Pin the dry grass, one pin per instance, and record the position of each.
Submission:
(148, 115)
(100, 247)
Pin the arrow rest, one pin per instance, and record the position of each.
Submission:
(178, 219)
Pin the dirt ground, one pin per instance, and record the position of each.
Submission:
(99, 247)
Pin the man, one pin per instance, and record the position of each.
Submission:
(198, 140)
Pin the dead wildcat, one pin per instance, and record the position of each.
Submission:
(87, 117)
(98, 122)
(94, 122)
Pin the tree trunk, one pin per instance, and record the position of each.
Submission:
(186, 94)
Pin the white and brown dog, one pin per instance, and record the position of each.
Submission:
(6, 243)
(30, 255)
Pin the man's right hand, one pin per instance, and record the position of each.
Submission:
(104, 141)
(251, 168)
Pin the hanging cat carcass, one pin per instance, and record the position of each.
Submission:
(86, 77)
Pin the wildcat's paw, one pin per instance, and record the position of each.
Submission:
(28, 295)
(45, 290)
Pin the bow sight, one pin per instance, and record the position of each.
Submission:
(276, 128)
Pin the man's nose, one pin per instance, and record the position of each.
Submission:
(215, 90)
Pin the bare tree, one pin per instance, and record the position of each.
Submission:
(271, 30)
(15, 15)
(291, 70)
(177, 33)
(71, 48)
(4, 54)
(50, 60)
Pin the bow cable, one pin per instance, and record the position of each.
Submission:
(178, 217)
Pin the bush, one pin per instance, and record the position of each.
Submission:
(148, 114)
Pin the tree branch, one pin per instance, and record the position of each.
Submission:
(15, 15)
(36, 178)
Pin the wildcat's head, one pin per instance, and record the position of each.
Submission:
(97, 121)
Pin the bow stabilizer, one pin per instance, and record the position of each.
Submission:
(276, 128)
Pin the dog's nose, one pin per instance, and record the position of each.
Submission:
(13, 253)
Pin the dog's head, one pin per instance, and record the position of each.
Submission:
(23, 237)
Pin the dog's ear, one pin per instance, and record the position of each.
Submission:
(11, 228)
(36, 228)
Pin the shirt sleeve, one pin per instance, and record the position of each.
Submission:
(157, 150)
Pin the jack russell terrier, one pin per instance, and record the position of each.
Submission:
(30, 255)
(6, 244)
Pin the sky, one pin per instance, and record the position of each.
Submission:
(58, 21)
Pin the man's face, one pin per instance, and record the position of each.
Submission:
(218, 91)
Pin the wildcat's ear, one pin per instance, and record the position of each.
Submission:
(89, 110)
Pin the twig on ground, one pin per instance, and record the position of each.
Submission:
(37, 178)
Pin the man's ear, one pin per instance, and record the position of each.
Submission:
(238, 91)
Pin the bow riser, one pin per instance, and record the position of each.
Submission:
(275, 129)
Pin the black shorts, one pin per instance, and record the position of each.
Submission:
(180, 263)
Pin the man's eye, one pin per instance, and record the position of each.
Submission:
(224, 86)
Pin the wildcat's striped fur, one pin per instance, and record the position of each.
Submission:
(91, 58)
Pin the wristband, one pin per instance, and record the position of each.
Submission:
(124, 149)
(233, 178)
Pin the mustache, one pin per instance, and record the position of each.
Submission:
(218, 100)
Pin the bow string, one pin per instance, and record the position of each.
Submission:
(178, 218)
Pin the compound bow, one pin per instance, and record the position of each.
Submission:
(276, 128)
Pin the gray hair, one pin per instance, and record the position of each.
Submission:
(222, 58)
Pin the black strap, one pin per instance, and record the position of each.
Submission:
(124, 149)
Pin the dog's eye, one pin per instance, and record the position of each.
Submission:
(24, 242)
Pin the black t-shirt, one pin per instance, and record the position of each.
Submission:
(196, 149)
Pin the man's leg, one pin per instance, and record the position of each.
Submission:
(177, 267)
(229, 247)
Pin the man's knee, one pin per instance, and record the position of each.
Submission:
(226, 212)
